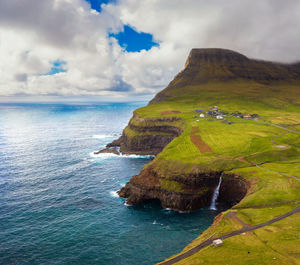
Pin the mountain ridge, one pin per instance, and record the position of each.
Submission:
(223, 65)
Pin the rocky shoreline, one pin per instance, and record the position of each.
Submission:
(108, 151)
(196, 190)
(197, 193)
(150, 138)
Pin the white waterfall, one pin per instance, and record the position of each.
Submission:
(215, 195)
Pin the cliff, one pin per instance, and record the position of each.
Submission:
(248, 132)
(147, 136)
(190, 193)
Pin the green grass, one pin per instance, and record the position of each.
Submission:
(133, 133)
(171, 185)
(237, 148)
(242, 138)
(270, 187)
(273, 244)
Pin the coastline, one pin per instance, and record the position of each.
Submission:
(239, 133)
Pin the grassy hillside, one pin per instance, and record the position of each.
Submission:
(264, 150)
(244, 141)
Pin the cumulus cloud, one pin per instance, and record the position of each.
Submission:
(35, 33)
(266, 29)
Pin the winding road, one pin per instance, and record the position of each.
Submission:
(281, 127)
(237, 232)
(280, 173)
(278, 126)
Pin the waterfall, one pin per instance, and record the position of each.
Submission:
(215, 195)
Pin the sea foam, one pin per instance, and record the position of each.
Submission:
(110, 155)
(126, 204)
(103, 136)
(114, 194)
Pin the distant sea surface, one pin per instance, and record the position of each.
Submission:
(58, 202)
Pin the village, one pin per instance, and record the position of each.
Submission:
(218, 114)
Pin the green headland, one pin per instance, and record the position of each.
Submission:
(228, 116)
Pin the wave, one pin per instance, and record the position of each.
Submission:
(102, 155)
(156, 223)
(110, 155)
(138, 156)
(126, 204)
(114, 194)
(103, 136)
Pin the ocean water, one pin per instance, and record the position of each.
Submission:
(58, 202)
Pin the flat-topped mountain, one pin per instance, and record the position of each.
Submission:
(204, 65)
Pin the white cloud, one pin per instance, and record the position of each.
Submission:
(35, 33)
(266, 29)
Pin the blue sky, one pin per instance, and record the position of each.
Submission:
(96, 4)
(133, 41)
(129, 39)
(57, 67)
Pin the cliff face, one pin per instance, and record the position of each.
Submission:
(147, 136)
(195, 192)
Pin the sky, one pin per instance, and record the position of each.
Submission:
(128, 50)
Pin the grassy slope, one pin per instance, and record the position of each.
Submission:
(237, 148)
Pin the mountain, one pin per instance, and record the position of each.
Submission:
(226, 117)
(208, 65)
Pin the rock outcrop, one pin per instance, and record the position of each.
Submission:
(147, 136)
(195, 190)
(108, 150)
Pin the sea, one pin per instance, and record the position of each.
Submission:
(59, 202)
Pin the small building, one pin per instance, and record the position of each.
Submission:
(201, 115)
(218, 242)
(210, 113)
(219, 117)
(247, 116)
(237, 114)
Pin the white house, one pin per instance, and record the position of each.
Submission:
(219, 117)
(202, 115)
(218, 242)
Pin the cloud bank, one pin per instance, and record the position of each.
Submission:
(36, 34)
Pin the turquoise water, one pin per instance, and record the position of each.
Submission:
(57, 201)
